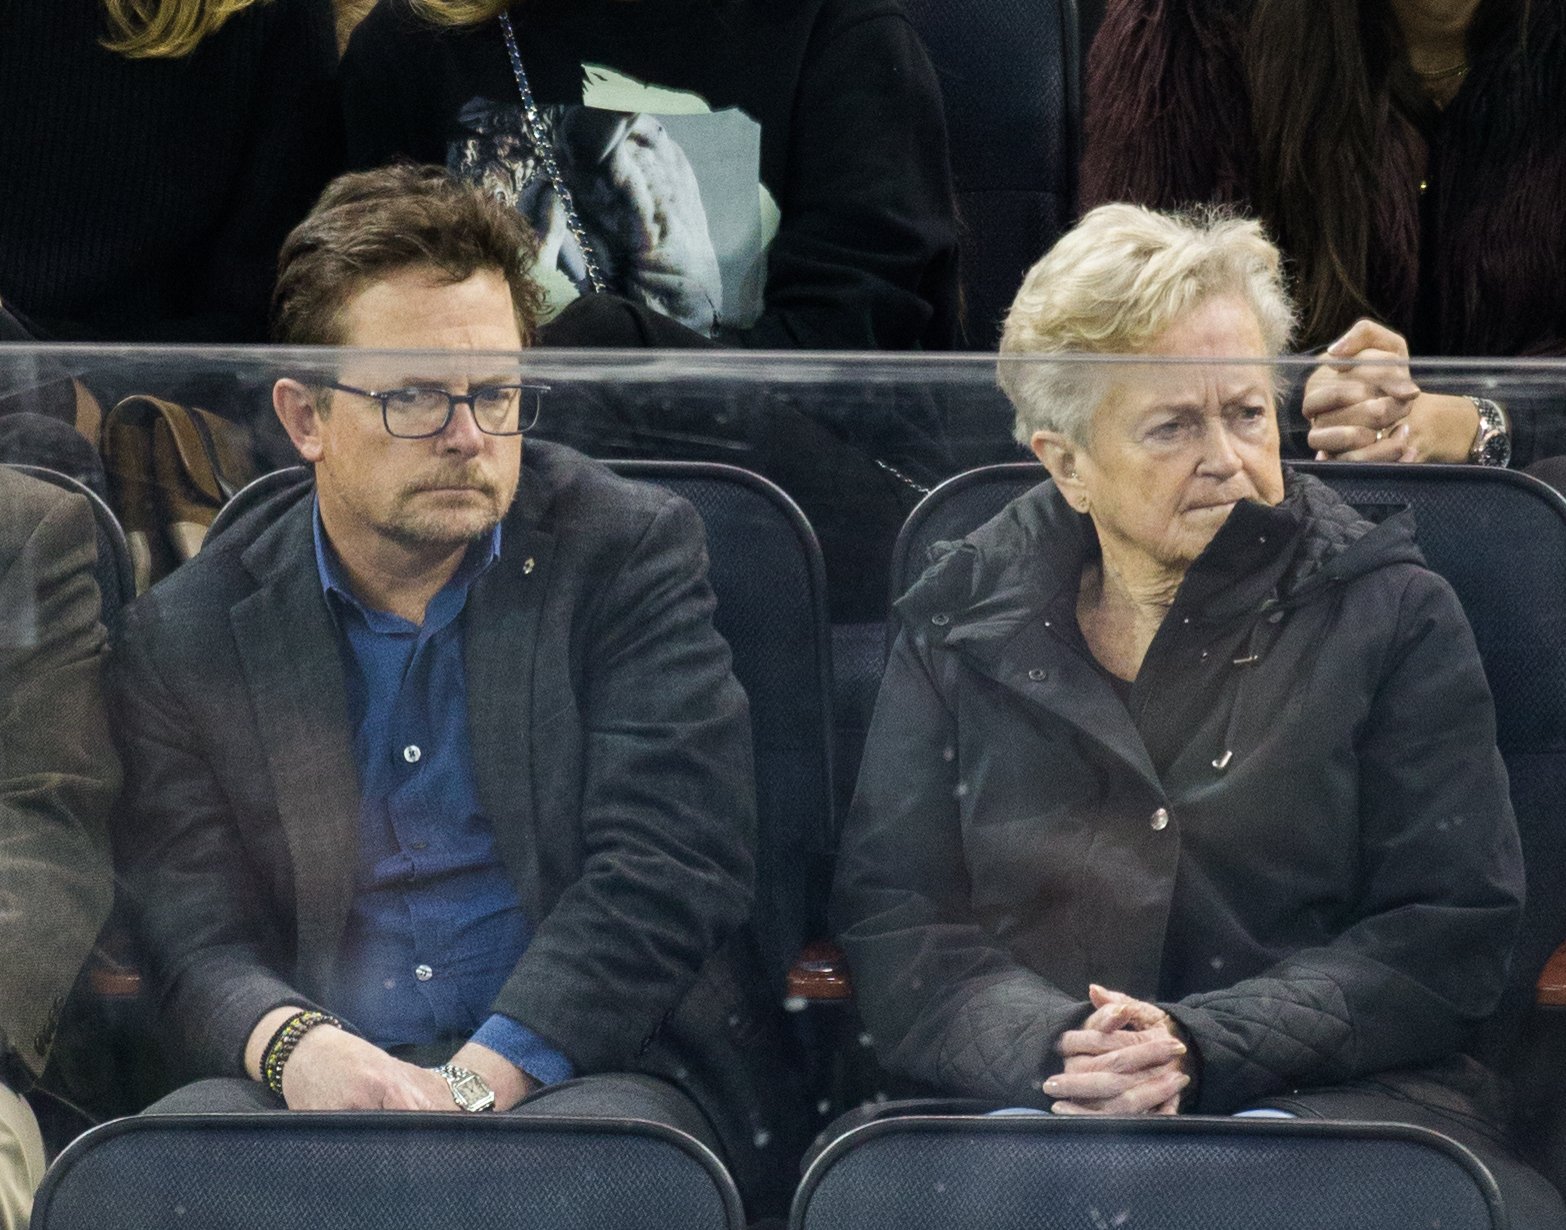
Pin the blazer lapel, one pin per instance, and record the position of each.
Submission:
(289, 649)
(501, 636)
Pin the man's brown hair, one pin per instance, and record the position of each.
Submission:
(370, 225)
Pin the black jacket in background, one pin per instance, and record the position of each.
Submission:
(145, 200)
(1334, 887)
(853, 136)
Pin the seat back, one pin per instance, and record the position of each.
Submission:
(1009, 74)
(767, 574)
(1041, 1172)
(1499, 538)
(386, 1172)
(251, 494)
(113, 572)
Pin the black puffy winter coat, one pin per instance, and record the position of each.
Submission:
(1295, 836)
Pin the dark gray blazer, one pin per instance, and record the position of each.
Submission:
(58, 772)
(612, 749)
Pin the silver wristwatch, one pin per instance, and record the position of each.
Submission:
(1492, 442)
(468, 1089)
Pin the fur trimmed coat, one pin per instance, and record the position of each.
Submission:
(1169, 123)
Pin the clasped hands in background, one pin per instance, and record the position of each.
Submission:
(1363, 405)
(1127, 1058)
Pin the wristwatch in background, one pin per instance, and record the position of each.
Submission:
(1492, 442)
(468, 1089)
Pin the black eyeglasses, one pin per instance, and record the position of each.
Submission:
(418, 412)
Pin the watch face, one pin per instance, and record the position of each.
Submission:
(471, 1093)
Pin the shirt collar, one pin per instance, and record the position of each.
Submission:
(443, 608)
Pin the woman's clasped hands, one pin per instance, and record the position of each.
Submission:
(1127, 1058)
(1362, 405)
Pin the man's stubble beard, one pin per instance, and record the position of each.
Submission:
(416, 529)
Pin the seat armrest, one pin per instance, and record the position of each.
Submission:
(110, 976)
(1551, 987)
(820, 974)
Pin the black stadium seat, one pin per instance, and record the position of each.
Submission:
(1010, 77)
(116, 581)
(385, 1172)
(1039, 1172)
(767, 574)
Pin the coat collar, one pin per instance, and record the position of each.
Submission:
(994, 598)
(991, 584)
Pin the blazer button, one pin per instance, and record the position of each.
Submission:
(1160, 820)
(1038, 674)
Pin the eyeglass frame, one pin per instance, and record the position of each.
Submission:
(452, 400)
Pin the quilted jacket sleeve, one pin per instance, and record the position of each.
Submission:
(1424, 957)
(944, 1002)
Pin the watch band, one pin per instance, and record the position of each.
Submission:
(469, 1090)
(1492, 442)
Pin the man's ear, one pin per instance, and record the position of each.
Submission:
(1061, 457)
(296, 409)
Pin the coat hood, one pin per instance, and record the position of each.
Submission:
(984, 587)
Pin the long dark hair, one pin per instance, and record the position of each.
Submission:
(1330, 84)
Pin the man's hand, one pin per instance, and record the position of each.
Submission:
(1126, 1059)
(1363, 405)
(331, 1069)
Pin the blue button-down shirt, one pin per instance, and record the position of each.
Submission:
(435, 926)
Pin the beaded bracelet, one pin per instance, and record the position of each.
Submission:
(284, 1042)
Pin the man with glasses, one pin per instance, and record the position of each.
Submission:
(440, 786)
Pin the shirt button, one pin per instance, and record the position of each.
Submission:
(1160, 820)
(940, 621)
(411, 753)
(423, 973)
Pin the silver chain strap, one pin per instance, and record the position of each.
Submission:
(533, 123)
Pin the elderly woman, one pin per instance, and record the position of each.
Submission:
(1182, 790)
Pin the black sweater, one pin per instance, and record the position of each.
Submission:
(145, 200)
(853, 138)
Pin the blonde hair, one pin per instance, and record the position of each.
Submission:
(166, 29)
(458, 12)
(1111, 285)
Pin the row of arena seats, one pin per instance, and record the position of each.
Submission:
(767, 572)
(999, 1172)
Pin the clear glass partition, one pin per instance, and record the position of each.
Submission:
(1033, 817)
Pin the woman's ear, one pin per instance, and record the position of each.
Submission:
(1061, 457)
(296, 409)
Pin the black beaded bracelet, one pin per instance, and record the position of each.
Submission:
(284, 1042)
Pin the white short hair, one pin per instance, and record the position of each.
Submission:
(1111, 285)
